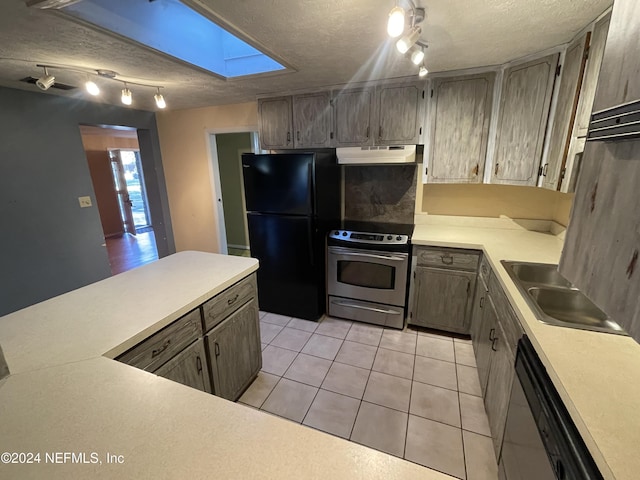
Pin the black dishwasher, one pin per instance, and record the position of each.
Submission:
(540, 440)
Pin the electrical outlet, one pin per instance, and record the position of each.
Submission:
(85, 202)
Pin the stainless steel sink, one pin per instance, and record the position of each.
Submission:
(555, 301)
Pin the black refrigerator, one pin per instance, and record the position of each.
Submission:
(292, 200)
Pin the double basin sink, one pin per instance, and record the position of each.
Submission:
(555, 301)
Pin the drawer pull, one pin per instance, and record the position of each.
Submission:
(233, 300)
(446, 259)
(157, 352)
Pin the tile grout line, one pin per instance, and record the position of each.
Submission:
(464, 453)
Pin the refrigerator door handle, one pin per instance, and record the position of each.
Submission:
(310, 244)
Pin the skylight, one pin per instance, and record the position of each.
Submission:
(172, 28)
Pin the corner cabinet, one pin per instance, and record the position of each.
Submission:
(444, 284)
(522, 121)
(460, 116)
(602, 245)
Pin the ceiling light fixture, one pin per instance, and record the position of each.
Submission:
(417, 55)
(395, 24)
(92, 88)
(46, 80)
(423, 71)
(405, 43)
(126, 96)
(160, 103)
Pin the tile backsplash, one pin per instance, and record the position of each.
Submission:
(383, 193)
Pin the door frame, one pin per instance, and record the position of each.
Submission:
(214, 176)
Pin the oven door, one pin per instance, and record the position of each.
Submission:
(369, 275)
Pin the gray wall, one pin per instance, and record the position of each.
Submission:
(49, 245)
(230, 148)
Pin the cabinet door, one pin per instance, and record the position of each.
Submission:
(524, 109)
(312, 120)
(443, 299)
(189, 368)
(234, 351)
(477, 312)
(594, 60)
(619, 82)
(496, 399)
(460, 116)
(274, 123)
(603, 239)
(353, 113)
(484, 343)
(397, 108)
(568, 94)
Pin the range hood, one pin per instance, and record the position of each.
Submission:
(393, 154)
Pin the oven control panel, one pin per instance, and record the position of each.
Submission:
(372, 238)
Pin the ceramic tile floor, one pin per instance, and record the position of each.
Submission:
(411, 394)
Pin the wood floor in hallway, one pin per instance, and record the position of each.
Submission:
(131, 251)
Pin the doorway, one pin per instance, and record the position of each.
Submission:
(114, 161)
(226, 154)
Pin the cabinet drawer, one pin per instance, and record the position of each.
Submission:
(448, 258)
(227, 302)
(163, 345)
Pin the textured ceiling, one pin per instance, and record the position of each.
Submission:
(323, 43)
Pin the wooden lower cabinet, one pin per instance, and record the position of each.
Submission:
(484, 342)
(443, 299)
(235, 352)
(189, 367)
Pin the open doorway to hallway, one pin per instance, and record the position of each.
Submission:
(114, 162)
(226, 152)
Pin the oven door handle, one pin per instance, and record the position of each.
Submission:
(369, 255)
(362, 307)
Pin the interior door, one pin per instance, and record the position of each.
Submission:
(120, 184)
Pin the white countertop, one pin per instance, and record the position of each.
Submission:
(596, 374)
(63, 395)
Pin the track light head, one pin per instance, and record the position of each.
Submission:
(405, 43)
(126, 96)
(160, 103)
(417, 55)
(44, 82)
(423, 71)
(395, 24)
(92, 88)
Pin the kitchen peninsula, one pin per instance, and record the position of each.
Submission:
(66, 394)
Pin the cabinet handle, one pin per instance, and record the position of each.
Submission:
(298, 135)
(446, 259)
(632, 264)
(199, 364)
(231, 301)
(216, 349)
(468, 286)
(476, 169)
(481, 302)
(493, 344)
(491, 334)
(288, 137)
(545, 169)
(368, 131)
(157, 352)
(380, 132)
(495, 172)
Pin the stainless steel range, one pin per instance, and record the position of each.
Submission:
(367, 272)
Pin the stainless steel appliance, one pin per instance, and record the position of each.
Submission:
(292, 201)
(540, 440)
(367, 272)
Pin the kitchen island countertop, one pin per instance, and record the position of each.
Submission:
(596, 374)
(88, 416)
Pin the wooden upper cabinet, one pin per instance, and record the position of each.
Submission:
(312, 120)
(397, 113)
(594, 61)
(275, 123)
(621, 61)
(352, 117)
(524, 110)
(460, 117)
(568, 95)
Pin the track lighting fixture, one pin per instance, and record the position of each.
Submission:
(405, 43)
(46, 80)
(92, 88)
(423, 71)
(417, 55)
(126, 96)
(160, 103)
(395, 24)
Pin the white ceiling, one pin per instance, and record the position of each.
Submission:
(324, 42)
